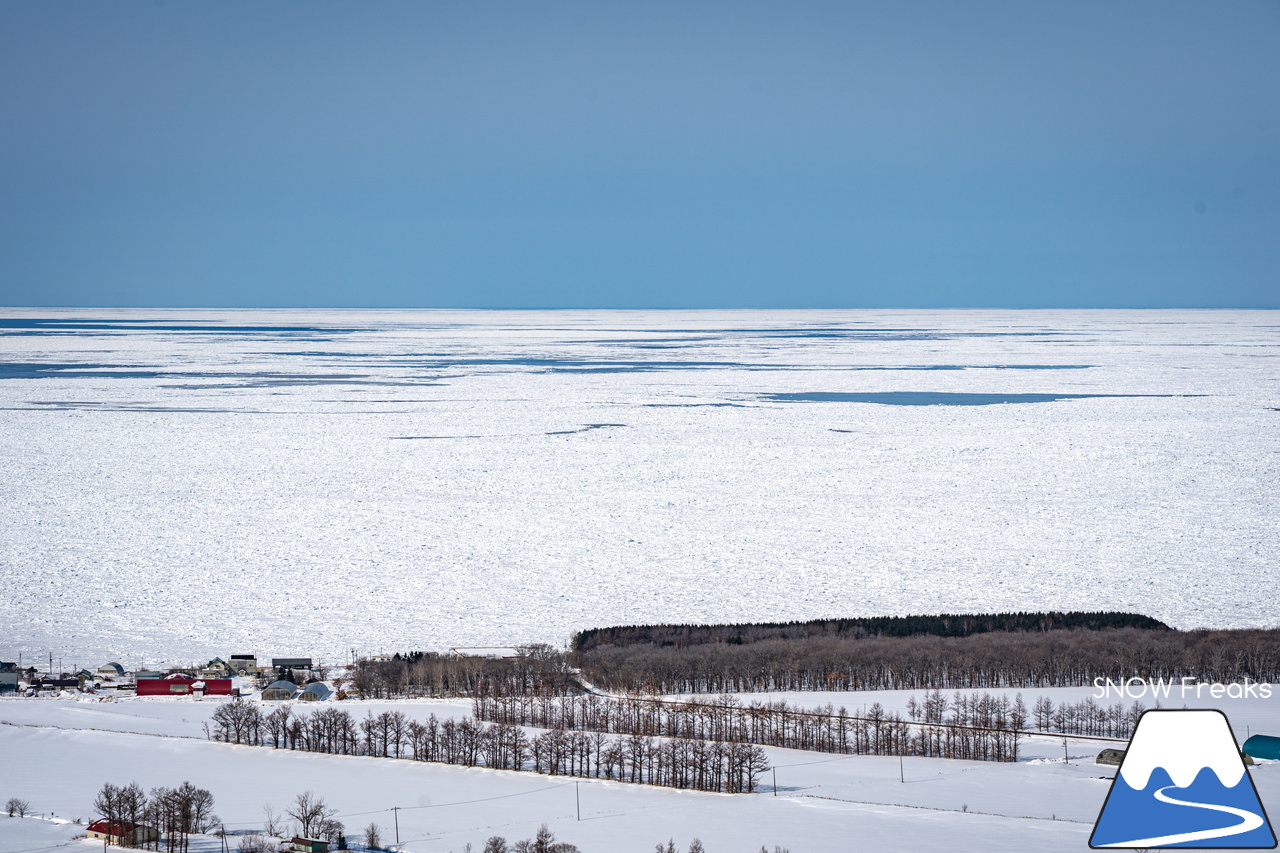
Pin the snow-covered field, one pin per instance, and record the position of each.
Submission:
(182, 484)
(57, 754)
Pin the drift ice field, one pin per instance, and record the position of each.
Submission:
(179, 484)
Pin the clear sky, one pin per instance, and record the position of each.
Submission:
(652, 154)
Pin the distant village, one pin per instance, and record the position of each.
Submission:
(293, 678)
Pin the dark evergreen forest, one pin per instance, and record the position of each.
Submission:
(941, 625)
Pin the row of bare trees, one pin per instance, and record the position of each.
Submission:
(715, 766)
(1087, 717)
(534, 669)
(176, 813)
(1055, 658)
(981, 728)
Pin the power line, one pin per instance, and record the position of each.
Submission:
(484, 800)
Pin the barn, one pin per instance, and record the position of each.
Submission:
(182, 685)
(122, 832)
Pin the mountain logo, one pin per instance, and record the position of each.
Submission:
(1183, 783)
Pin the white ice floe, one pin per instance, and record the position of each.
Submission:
(174, 489)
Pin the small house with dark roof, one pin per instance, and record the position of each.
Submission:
(310, 845)
(48, 683)
(244, 665)
(216, 668)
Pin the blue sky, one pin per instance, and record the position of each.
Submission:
(490, 154)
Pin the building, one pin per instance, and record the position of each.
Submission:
(182, 685)
(244, 665)
(310, 845)
(122, 832)
(216, 668)
(1262, 746)
(291, 663)
(316, 691)
(9, 674)
(111, 670)
(1112, 757)
(48, 683)
(279, 690)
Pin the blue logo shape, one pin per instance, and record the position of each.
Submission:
(1183, 783)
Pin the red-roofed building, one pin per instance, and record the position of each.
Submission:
(181, 685)
(122, 832)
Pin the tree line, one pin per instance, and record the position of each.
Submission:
(939, 625)
(1052, 658)
(535, 669)
(727, 767)
(176, 813)
(1085, 717)
(978, 728)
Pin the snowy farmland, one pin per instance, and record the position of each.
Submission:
(183, 484)
(59, 753)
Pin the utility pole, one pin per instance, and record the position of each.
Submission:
(902, 775)
(775, 780)
(1065, 757)
(396, 811)
(577, 800)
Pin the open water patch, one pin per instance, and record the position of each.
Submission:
(48, 370)
(586, 428)
(937, 398)
(697, 406)
(51, 326)
(978, 367)
(581, 365)
(98, 406)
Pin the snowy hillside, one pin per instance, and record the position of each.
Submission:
(60, 752)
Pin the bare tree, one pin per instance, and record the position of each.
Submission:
(331, 830)
(107, 803)
(544, 842)
(254, 843)
(496, 844)
(271, 822)
(373, 836)
(17, 807)
(310, 812)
